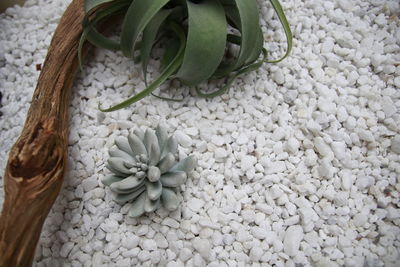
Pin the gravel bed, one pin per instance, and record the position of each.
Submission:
(299, 163)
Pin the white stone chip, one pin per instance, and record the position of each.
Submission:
(203, 246)
(293, 236)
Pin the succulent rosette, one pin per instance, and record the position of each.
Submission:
(146, 172)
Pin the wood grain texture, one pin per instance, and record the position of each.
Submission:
(35, 168)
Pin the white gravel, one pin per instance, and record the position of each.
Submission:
(299, 163)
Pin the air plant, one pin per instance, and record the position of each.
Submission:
(202, 39)
(146, 172)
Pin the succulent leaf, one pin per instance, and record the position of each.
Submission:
(136, 145)
(169, 199)
(123, 144)
(154, 189)
(109, 179)
(166, 163)
(185, 165)
(118, 165)
(129, 183)
(137, 207)
(122, 198)
(173, 179)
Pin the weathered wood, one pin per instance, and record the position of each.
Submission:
(35, 168)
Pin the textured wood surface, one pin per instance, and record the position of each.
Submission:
(35, 168)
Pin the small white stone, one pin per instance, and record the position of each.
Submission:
(247, 162)
(276, 167)
(149, 245)
(242, 236)
(130, 241)
(278, 134)
(242, 139)
(220, 153)
(109, 226)
(275, 192)
(170, 222)
(360, 219)
(364, 182)
(366, 135)
(293, 236)
(144, 255)
(293, 145)
(321, 146)
(161, 241)
(258, 232)
(256, 254)
(66, 249)
(311, 158)
(195, 204)
(185, 254)
(203, 246)
(217, 140)
(183, 139)
(341, 198)
(326, 169)
(90, 183)
(339, 149)
(278, 77)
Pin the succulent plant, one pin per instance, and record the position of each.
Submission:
(202, 39)
(146, 172)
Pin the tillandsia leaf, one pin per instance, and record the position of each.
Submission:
(206, 40)
(169, 70)
(92, 35)
(228, 84)
(136, 19)
(149, 36)
(91, 4)
(289, 37)
(249, 24)
(171, 49)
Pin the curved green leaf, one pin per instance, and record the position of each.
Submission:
(149, 36)
(289, 36)
(228, 84)
(249, 25)
(205, 42)
(136, 19)
(169, 70)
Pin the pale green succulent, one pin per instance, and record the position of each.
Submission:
(146, 172)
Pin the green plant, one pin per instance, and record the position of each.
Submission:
(146, 172)
(197, 35)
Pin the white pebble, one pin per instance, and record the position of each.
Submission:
(203, 246)
(293, 236)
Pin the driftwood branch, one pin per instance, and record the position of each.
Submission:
(35, 168)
